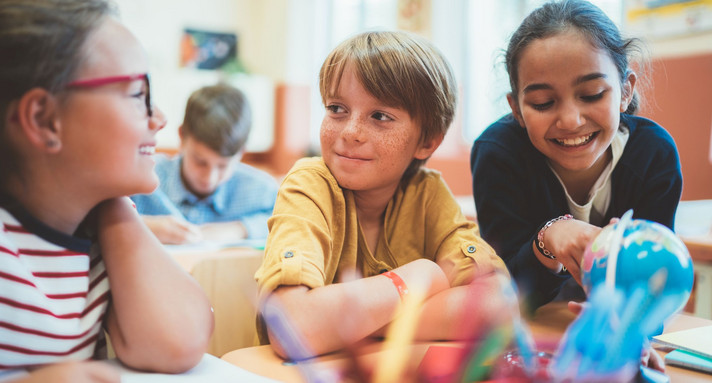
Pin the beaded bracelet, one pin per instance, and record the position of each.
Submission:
(540, 237)
(398, 282)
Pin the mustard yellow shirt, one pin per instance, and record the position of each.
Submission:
(314, 231)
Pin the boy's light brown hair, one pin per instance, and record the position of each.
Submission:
(402, 70)
(218, 116)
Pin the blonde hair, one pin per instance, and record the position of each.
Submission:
(402, 70)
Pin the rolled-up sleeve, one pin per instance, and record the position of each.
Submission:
(299, 246)
(459, 247)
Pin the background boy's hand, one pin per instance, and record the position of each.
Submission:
(171, 230)
(74, 372)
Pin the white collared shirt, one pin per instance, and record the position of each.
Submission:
(599, 197)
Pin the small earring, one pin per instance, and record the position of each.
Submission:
(51, 143)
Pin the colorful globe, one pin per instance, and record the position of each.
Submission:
(651, 256)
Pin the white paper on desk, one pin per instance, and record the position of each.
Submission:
(210, 369)
(694, 218)
(697, 340)
(213, 246)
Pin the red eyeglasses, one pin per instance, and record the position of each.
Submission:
(97, 82)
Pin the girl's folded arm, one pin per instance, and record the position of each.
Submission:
(159, 318)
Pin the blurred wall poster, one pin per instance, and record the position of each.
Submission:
(415, 16)
(207, 50)
(668, 18)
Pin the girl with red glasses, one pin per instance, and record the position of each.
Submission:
(77, 135)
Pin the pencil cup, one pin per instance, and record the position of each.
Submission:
(511, 367)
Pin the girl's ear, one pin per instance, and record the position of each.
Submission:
(36, 115)
(628, 90)
(427, 148)
(512, 100)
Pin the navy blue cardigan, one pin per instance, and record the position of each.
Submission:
(516, 193)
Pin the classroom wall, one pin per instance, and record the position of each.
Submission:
(682, 102)
(678, 98)
(271, 45)
(159, 24)
(676, 95)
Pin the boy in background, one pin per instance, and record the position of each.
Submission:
(206, 193)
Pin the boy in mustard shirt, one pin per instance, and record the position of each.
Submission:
(367, 205)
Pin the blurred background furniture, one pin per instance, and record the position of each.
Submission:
(227, 277)
(693, 224)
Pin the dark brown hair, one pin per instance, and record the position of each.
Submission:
(560, 16)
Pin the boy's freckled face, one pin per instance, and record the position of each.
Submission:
(366, 144)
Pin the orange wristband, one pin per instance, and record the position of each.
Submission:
(398, 283)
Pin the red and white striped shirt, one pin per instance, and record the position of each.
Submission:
(54, 293)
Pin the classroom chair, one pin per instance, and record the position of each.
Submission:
(231, 288)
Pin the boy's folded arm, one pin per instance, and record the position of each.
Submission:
(330, 317)
(463, 312)
(159, 318)
(475, 302)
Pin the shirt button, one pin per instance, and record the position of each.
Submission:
(471, 249)
(288, 254)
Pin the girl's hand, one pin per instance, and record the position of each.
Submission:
(652, 359)
(113, 209)
(567, 240)
(576, 307)
(74, 372)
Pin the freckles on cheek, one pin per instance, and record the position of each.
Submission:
(326, 133)
(396, 141)
(325, 139)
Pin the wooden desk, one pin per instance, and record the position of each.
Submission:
(548, 326)
(188, 257)
(700, 247)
